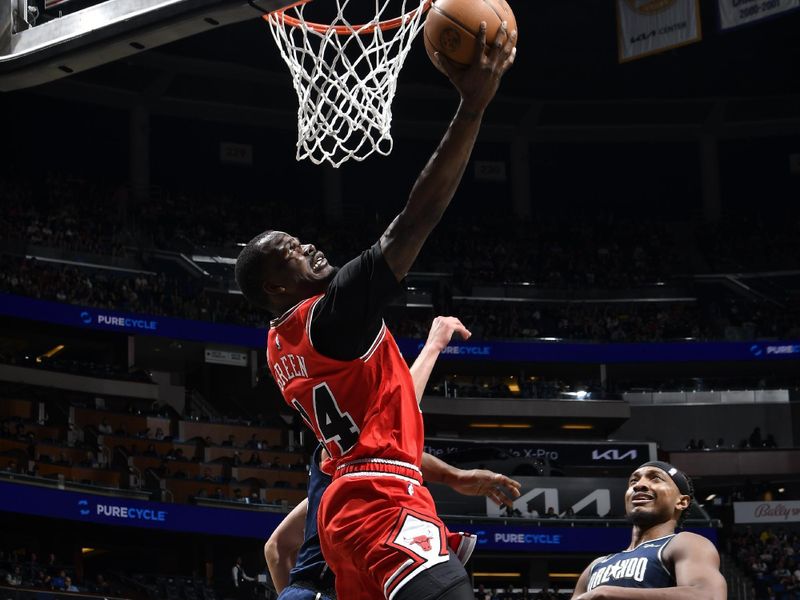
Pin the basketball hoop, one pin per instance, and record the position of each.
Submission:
(345, 76)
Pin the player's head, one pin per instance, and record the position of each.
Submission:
(658, 493)
(275, 271)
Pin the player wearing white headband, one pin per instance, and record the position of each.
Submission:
(659, 564)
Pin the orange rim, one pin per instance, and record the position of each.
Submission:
(344, 29)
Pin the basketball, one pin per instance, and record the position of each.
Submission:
(452, 26)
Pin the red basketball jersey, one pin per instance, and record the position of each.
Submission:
(362, 408)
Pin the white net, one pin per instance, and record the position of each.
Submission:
(345, 77)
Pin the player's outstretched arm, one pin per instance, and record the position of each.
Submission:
(436, 185)
(696, 566)
(283, 545)
(473, 482)
(440, 334)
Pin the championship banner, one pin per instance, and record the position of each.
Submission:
(733, 13)
(766, 512)
(647, 27)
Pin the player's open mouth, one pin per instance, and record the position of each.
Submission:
(319, 262)
(641, 498)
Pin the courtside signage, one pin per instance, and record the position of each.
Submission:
(766, 512)
(734, 13)
(104, 510)
(70, 315)
(512, 538)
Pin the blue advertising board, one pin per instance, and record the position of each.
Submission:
(591, 540)
(106, 510)
(186, 518)
(534, 351)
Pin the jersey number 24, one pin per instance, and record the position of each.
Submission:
(335, 427)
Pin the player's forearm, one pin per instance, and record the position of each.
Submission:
(422, 368)
(432, 192)
(435, 470)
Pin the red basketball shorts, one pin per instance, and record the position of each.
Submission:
(378, 529)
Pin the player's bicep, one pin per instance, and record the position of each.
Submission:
(696, 564)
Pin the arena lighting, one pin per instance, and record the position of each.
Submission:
(563, 575)
(710, 497)
(577, 426)
(498, 574)
(50, 353)
(781, 490)
(87, 550)
(500, 425)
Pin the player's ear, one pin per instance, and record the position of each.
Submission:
(272, 289)
(683, 502)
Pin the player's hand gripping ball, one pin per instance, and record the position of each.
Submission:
(452, 26)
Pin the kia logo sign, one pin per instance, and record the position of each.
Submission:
(86, 317)
(614, 454)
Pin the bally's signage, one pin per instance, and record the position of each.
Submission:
(766, 512)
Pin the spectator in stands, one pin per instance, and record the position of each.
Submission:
(755, 438)
(57, 582)
(236, 459)
(254, 499)
(101, 586)
(551, 513)
(11, 467)
(14, 578)
(237, 495)
(241, 579)
(69, 586)
(90, 460)
(159, 435)
(254, 460)
(532, 512)
(151, 450)
(219, 494)
(253, 443)
(208, 441)
(104, 427)
(206, 476)
(569, 513)
(231, 441)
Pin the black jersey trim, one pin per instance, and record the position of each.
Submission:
(283, 318)
(377, 342)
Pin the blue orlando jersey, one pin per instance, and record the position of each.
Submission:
(641, 567)
(311, 566)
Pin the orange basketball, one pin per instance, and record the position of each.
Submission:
(452, 25)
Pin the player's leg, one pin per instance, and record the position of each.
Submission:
(446, 581)
(301, 591)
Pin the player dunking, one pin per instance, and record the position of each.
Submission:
(294, 557)
(659, 564)
(337, 364)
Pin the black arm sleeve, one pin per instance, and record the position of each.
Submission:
(348, 318)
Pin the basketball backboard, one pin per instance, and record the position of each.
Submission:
(103, 32)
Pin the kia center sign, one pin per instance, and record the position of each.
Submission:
(766, 512)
